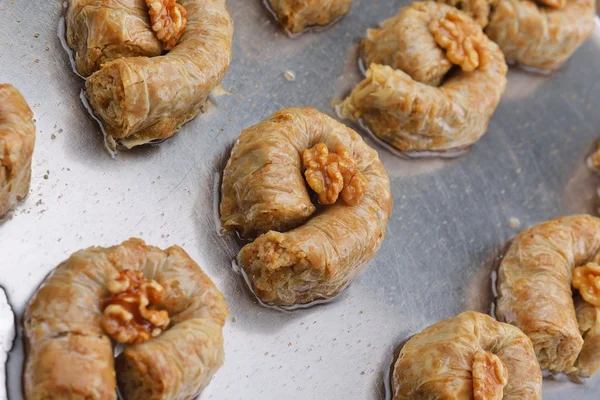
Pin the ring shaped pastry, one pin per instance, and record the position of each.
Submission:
(297, 15)
(538, 35)
(479, 10)
(534, 287)
(302, 255)
(470, 356)
(70, 356)
(17, 139)
(139, 99)
(409, 56)
(100, 31)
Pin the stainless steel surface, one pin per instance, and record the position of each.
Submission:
(450, 217)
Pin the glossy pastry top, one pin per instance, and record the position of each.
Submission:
(399, 101)
(534, 287)
(100, 31)
(71, 356)
(470, 356)
(297, 15)
(303, 254)
(140, 99)
(17, 139)
(541, 36)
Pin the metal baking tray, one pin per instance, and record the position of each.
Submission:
(451, 218)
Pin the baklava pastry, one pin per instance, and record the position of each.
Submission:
(306, 249)
(410, 98)
(100, 31)
(534, 288)
(470, 356)
(297, 15)
(17, 139)
(160, 304)
(543, 36)
(540, 34)
(141, 99)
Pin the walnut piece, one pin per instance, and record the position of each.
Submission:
(127, 316)
(168, 21)
(330, 174)
(587, 280)
(490, 376)
(462, 38)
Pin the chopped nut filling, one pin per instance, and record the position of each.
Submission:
(587, 280)
(168, 20)
(490, 376)
(462, 38)
(128, 316)
(332, 174)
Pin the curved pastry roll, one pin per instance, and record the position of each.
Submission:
(538, 35)
(297, 15)
(17, 139)
(534, 287)
(301, 256)
(100, 31)
(399, 101)
(479, 10)
(470, 356)
(71, 357)
(139, 99)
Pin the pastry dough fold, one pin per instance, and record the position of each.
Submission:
(17, 139)
(69, 356)
(534, 287)
(264, 192)
(139, 99)
(439, 362)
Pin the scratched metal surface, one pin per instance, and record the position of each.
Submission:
(450, 218)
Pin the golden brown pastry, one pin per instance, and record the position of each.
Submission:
(70, 355)
(541, 36)
(100, 31)
(297, 15)
(588, 318)
(401, 103)
(479, 10)
(140, 99)
(17, 139)
(302, 255)
(538, 34)
(534, 287)
(470, 356)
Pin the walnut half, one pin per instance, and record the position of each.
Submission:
(330, 174)
(587, 280)
(462, 38)
(168, 20)
(128, 316)
(490, 376)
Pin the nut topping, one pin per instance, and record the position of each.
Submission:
(330, 174)
(587, 280)
(462, 38)
(129, 314)
(168, 20)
